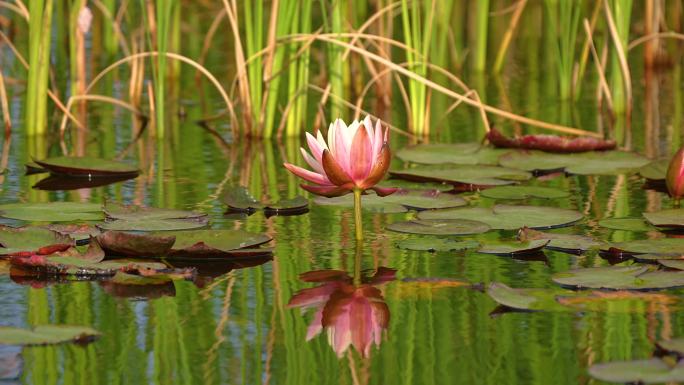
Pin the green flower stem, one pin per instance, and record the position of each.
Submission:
(357, 263)
(357, 214)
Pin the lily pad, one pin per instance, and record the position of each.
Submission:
(589, 163)
(677, 264)
(138, 213)
(440, 227)
(216, 244)
(675, 345)
(52, 212)
(154, 224)
(158, 277)
(649, 371)
(656, 257)
(62, 183)
(571, 243)
(47, 335)
(121, 243)
(77, 266)
(672, 218)
(239, 199)
(398, 202)
(436, 244)
(626, 223)
(32, 240)
(87, 167)
(648, 246)
(619, 301)
(524, 192)
(526, 299)
(78, 232)
(513, 247)
(655, 170)
(458, 153)
(480, 176)
(620, 277)
(506, 217)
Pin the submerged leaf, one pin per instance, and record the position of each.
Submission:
(506, 217)
(47, 335)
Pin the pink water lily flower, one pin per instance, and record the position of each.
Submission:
(675, 175)
(355, 157)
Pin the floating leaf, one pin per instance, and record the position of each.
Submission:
(47, 335)
(480, 176)
(76, 231)
(649, 371)
(677, 264)
(121, 243)
(628, 224)
(648, 246)
(457, 153)
(675, 345)
(52, 212)
(564, 242)
(154, 224)
(551, 143)
(63, 183)
(526, 299)
(86, 167)
(216, 244)
(398, 202)
(136, 213)
(77, 266)
(32, 240)
(590, 163)
(408, 185)
(621, 301)
(672, 218)
(523, 192)
(505, 217)
(655, 170)
(513, 247)
(620, 277)
(156, 278)
(239, 199)
(440, 227)
(436, 244)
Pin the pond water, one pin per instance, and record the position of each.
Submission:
(234, 325)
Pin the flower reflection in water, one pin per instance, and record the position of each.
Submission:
(353, 314)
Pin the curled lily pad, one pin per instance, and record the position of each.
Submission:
(216, 244)
(137, 213)
(52, 212)
(239, 199)
(47, 335)
(526, 299)
(571, 243)
(436, 244)
(121, 243)
(506, 217)
(513, 247)
(589, 163)
(647, 246)
(551, 143)
(154, 224)
(655, 170)
(399, 202)
(675, 345)
(649, 371)
(628, 224)
(480, 176)
(440, 227)
(32, 240)
(457, 153)
(620, 277)
(523, 192)
(672, 218)
(87, 167)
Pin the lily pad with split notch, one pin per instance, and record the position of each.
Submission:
(649, 371)
(588, 163)
(570, 243)
(625, 223)
(238, 199)
(87, 167)
(52, 212)
(620, 278)
(436, 244)
(509, 217)
(480, 176)
(47, 335)
(527, 299)
(440, 227)
(456, 153)
(216, 245)
(524, 192)
(513, 247)
(655, 170)
(669, 219)
(647, 246)
(32, 239)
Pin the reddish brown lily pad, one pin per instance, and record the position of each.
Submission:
(549, 143)
(86, 167)
(128, 244)
(32, 240)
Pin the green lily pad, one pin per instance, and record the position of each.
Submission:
(649, 371)
(436, 244)
(408, 185)
(458, 153)
(587, 163)
(32, 240)
(52, 212)
(158, 278)
(513, 247)
(563, 242)
(677, 264)
(506, 217)
(138, 213)
(216, 244)
(127, 244)
(526, 299)
(440, 227)
(655, 170)
(620, 277)
(459, 174)
(87, 167)
(154, 224)
(398, 202)
(78, 232)
(523, 192)
(628, 224)
(47, 335)
(656, 257)
(648, 246)
(239, 199)
(675, 345)
(672, 218)
(79, 266)
(619, 301)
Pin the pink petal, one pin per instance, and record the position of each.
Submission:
(361, 160)
(341, 151)
(312, 162)
(335, 173)
(380, 167)
(315, 147)
(316, 326)
(377, 141)
(384, 191)
(307, 175)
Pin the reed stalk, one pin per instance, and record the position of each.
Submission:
(35, 116)
(563, 22)
(164, 11)
(480, 28)
(618, 14)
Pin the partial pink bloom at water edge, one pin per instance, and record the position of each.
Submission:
(675, 175)
(354, 157)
